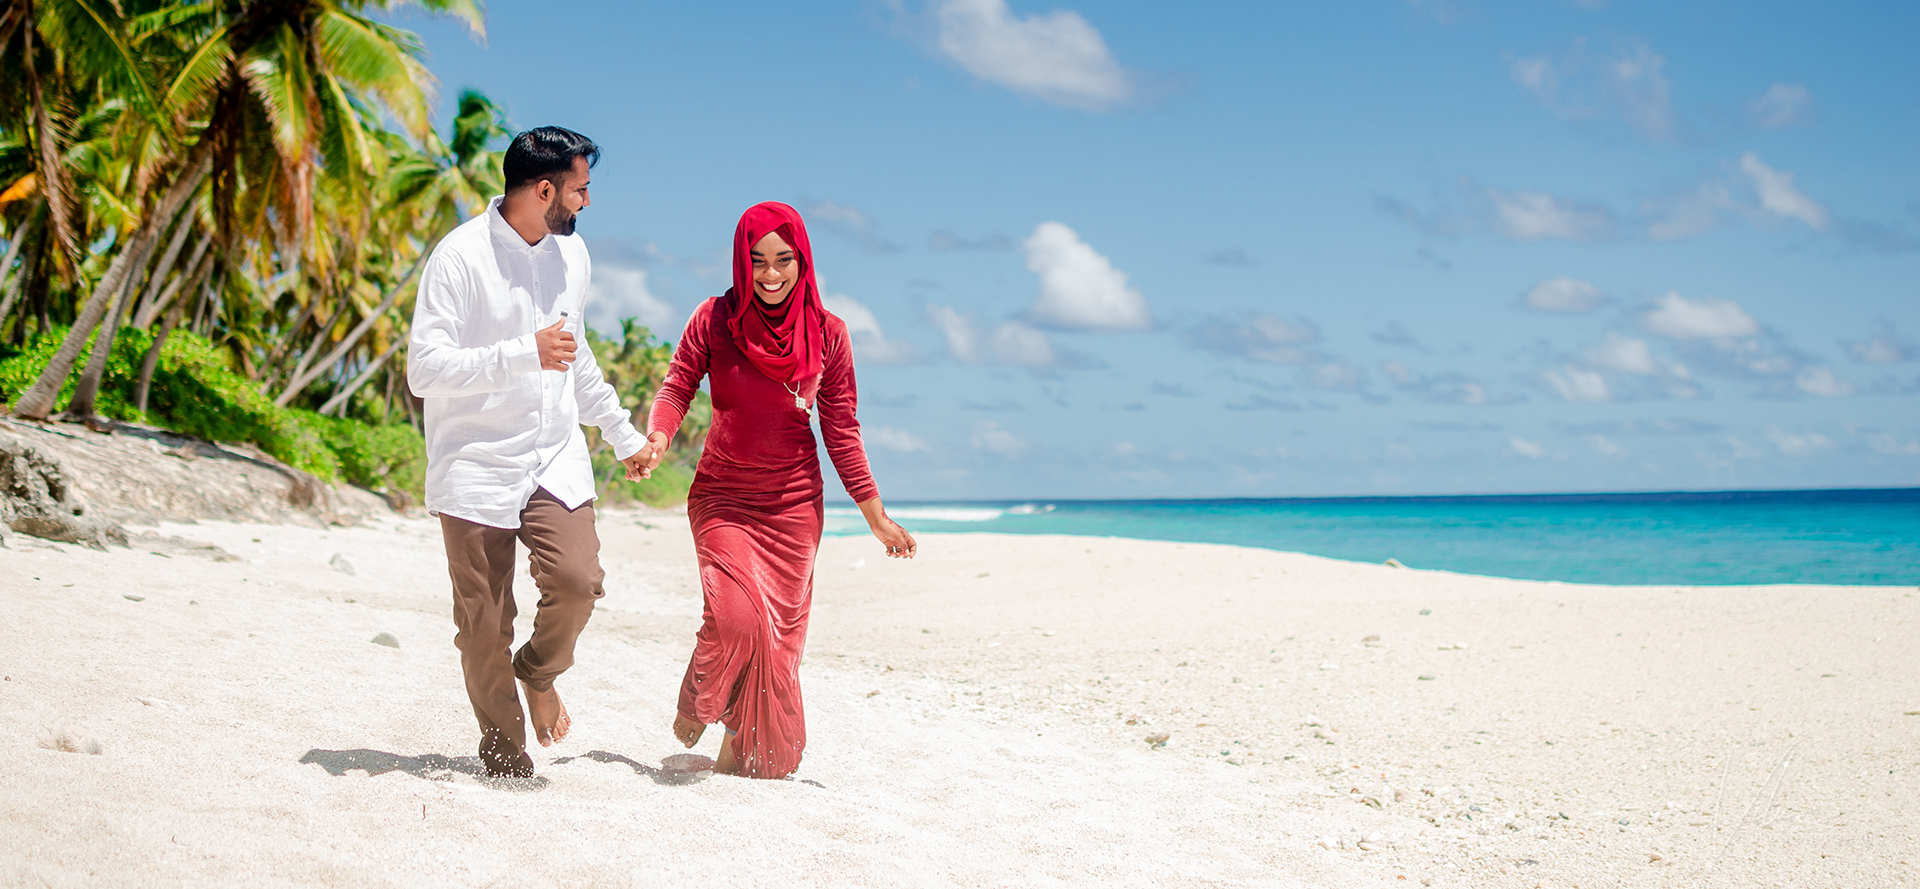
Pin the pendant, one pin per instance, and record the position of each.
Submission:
(800, 401)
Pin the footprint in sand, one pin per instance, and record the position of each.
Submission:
(69, 741)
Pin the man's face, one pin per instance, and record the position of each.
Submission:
(569, 197)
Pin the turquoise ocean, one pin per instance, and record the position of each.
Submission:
(1853, 536)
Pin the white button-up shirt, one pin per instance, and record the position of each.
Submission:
(498, 426)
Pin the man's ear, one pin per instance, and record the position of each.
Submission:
(544, 190)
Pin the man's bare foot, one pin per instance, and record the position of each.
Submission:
(726, 764)
(548, 715)
(687, 730)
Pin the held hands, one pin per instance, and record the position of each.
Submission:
(556, 346)
(647, 459)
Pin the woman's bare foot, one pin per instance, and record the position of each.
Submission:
(548, 716)
(687, 730)
(726, 764)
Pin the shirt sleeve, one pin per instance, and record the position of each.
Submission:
(599, 403)
(839, 426)
(437, 365)
(689, 367)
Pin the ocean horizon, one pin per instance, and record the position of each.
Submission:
(1848, 536)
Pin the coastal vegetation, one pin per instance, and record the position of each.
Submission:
(212, 216)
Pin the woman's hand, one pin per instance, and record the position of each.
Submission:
(900, 544)
(647, 459)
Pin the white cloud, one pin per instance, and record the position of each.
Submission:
(1642, 89)
(1605, 447)
(1336, 376)
(1883, 347)
(1625, 353)
(618, 293)
(1691, 214)
(1536, 75)
(1525, 448)
(1056, 57)
(1578, 384)
(894, 439)
(1576, 86)
(1820, 380)
(1800, 445)
(1782, 105)
(1884, 443)
(1258, 336)
(961, 339)
(1779, 196)
(869, 341)
(851, 221)
(1022, 346)
(989, 436)
(1680, 318)
(1564, 294)
(1079, 288)
(1537, 216)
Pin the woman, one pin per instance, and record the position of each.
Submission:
(772, 354)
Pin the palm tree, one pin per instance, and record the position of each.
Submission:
(429, 192)
(283, 89)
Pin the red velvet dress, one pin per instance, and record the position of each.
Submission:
(756, 511)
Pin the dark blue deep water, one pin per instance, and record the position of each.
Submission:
(1856, 536)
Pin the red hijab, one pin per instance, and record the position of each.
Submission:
(786, 341)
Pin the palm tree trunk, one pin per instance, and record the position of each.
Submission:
(152, 361)
(271, 364)
(313, 348)
(38, 401)
(14, 284)
(165, 266)
(339, 399)
(183, 283)
(300, 380)
(81, 406)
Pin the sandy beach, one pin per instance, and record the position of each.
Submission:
(1003, 711)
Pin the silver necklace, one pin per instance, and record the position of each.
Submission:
(799, 400)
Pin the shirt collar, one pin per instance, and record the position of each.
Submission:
(506, 234)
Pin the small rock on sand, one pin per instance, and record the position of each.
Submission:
(1394, 563)
(339, 563)
(387, 639)
(1157, 739)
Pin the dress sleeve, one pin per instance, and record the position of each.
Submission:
(689, 367)
(838, 401)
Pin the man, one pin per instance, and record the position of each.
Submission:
(507, 385)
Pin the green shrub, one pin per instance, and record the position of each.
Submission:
(196, 392)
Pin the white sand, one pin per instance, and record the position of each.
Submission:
(976, 718)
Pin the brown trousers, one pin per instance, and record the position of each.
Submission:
(564, 553)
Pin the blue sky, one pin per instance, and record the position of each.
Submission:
(1153, 250)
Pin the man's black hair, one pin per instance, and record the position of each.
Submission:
(546, 153)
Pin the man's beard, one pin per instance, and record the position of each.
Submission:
(559, 221)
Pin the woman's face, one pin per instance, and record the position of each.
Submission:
(775, 269)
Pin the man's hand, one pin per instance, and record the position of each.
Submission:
(556, 346)
(647, 459)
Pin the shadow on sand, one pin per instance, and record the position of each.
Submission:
(431, 766)
(684, 768)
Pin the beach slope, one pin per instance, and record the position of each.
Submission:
(1001, 711)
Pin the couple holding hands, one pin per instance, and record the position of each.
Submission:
(507, 382)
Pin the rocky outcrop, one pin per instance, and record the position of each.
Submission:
(69, 482)
(37, 498)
